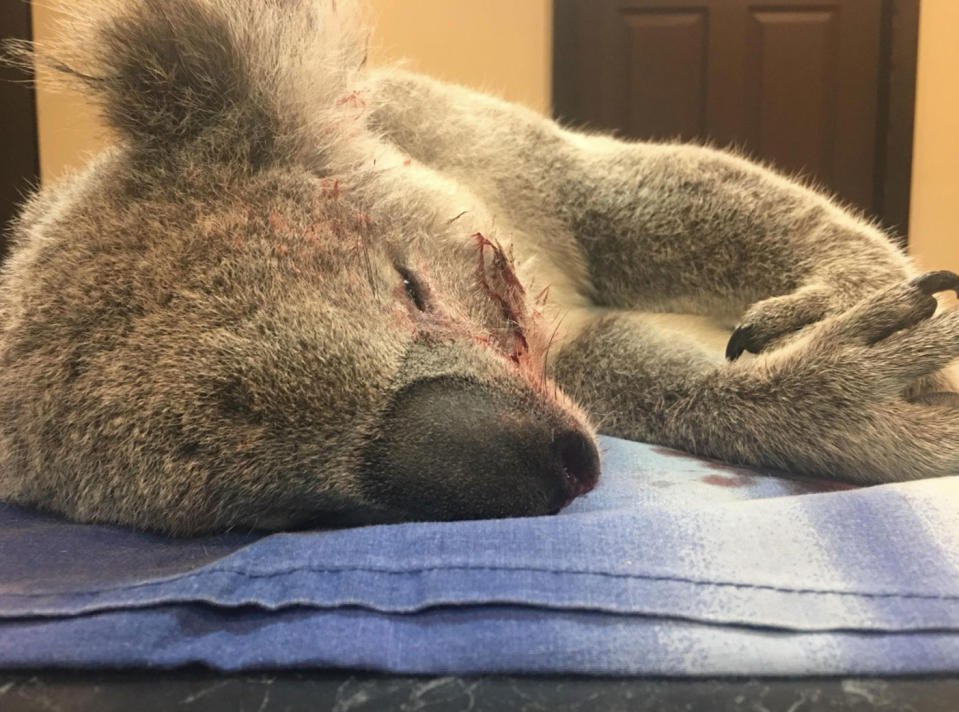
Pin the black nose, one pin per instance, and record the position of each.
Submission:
(449, 449)
(579, 459)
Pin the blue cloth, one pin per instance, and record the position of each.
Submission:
(674, 565)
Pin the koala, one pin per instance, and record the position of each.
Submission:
(299, 291)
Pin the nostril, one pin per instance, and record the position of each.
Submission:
(579, 459)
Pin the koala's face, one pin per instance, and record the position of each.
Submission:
(266, 355)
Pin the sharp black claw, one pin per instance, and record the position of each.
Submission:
(940, 281)
(740, 341)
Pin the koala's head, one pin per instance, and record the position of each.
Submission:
(216, 327)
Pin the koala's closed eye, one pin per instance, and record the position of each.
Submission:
(416, 289)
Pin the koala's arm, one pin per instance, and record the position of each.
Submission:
(830, 404)
(660, 226)
(692, 229)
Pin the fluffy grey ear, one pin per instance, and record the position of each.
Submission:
(260, 81)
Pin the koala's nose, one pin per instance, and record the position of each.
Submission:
(449, 449)
(579, 459)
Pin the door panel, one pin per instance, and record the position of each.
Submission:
(798, 135)
(658, 104)
(803, 85)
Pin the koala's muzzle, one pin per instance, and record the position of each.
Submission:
(451, 449)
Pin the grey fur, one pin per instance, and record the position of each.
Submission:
(297, 290)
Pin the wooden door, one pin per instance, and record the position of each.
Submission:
(820, 88)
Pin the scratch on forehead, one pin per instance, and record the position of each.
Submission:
(500, 283)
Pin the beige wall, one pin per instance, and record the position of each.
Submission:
(67, 127)
(934, 214)
(504, 46)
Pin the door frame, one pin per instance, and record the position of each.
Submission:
(20, 167)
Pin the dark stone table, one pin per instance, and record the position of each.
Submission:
(198, 689)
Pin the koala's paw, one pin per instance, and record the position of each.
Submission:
(895, 309)
(894, 339)
(850, 378)
(770, 322)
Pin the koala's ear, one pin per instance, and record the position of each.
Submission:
(200, 74)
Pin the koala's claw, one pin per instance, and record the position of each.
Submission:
(903, 307)
(742, 339)
(940, 281)
(767, 323)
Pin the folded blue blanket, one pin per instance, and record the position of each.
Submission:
(674, 565)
